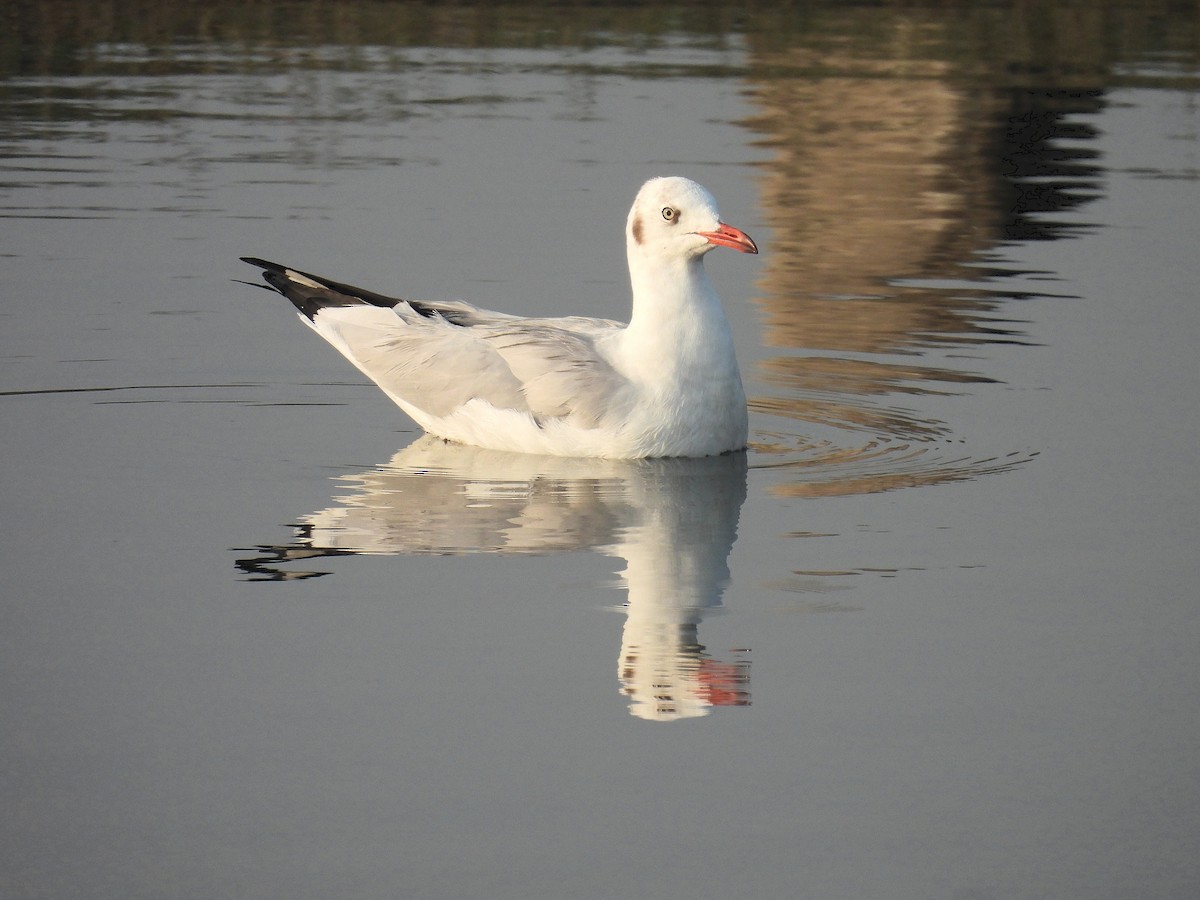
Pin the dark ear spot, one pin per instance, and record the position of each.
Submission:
(637, 230)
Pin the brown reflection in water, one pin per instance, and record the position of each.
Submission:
(871, 180)
(889, 166)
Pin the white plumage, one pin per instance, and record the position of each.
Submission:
(666, 384)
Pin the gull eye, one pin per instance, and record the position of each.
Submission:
(670, 214)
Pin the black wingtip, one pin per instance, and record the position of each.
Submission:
(262, 263)
(319, 292)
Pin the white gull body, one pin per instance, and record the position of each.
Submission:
(666, 384)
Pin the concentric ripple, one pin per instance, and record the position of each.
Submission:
(826, 468)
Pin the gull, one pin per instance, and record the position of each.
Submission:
(665, 384)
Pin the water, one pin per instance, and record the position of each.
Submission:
(933, 635)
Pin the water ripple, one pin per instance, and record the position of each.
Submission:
(828, 468)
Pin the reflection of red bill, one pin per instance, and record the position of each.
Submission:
(723, 684)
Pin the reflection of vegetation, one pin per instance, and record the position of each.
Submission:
(906, 148)
(54, 36)
(1061, 41)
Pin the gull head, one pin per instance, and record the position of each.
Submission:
(676, 218)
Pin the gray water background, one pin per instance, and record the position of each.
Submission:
(934, 635)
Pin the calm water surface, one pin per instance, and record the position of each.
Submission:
(933, 636)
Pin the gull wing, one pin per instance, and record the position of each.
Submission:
(561, 367)
(434, 356)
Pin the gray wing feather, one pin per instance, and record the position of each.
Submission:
(436, 363)
(561, 373)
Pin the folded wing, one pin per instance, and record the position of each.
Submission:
(432, 357)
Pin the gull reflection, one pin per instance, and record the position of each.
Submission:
(672, 521)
